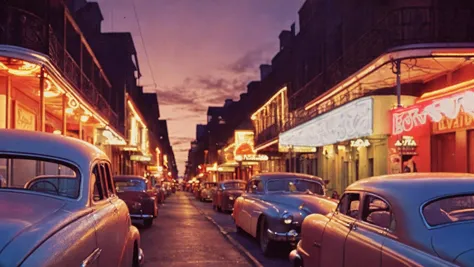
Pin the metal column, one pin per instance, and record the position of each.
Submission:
(42, 103)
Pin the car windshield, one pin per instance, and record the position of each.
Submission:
(39, 175)
(124, 185)
(449, 210)
(295, 185)
(234, 185)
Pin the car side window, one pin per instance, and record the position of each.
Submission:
(255, 187)
(349, 205)
(377, 211)
(108, 179)
(98, 191)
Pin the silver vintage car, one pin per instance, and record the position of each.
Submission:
(58, 205)
(417, 219)
(275, 204)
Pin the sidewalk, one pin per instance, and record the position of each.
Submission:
(181, 236)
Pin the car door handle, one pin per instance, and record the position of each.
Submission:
(92, 257)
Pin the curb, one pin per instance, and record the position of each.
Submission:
(229, 238)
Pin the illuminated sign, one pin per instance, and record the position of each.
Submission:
(297, 149)
(407, 145)
(251, 157)
(448, 107)
(152, 168)
(351, 121)
(360, 143)
(462, 121)
(140, 158)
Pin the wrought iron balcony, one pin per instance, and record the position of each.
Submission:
(267, 134)
(19, 27)
(405, 26)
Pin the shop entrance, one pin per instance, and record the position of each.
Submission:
(443, 153)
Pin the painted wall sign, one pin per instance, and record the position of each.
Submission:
(25, 119)
(351, 121)
(463, 121)
(251, 157)
(448, 107)
(360, 143)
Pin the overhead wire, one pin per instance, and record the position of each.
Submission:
(144, 44)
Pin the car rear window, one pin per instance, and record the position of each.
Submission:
(44, 175)
(449, 210)
(124, 185)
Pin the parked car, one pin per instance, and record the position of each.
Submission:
(417, 219)
(58, 205)
(141, 197)
(161, 193)
(207, 191)
(226, 194)
(275, 204)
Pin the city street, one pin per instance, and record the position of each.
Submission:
(182, 236)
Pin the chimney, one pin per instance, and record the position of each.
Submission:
(265, 70)
(285, 39)
(228, 102)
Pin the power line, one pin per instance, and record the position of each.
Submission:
(144, 44)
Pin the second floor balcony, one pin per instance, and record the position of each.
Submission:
(49, 28)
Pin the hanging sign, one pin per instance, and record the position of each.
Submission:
(251, 157)
(360, 143)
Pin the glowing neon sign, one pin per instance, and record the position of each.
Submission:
(448, 107)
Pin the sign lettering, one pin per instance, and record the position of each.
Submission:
(251, 157)
(463, 121)
(360, 143)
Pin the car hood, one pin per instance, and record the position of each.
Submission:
(303, 202)
(454, 242)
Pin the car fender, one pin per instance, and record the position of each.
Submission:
(132, 239)
(263, 209)
(312, 232)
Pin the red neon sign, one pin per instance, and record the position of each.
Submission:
(404, 120)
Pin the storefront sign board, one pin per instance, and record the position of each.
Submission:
(351, 121)
(25, 119)
(463, 121)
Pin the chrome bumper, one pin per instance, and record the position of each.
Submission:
(141, 257)
(291, 236)
(141, 216)
(295, 258)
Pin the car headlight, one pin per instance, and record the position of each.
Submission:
(231, 198)
(287, 218)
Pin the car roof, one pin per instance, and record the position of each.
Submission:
(48, 144)
(416, 187)
(130, 177)
(286, 175)
(233, 181)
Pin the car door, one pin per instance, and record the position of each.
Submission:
(105, 216)
(364, 243)
(243, 218)
(337, 230)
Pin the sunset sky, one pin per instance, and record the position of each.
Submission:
(201, 52)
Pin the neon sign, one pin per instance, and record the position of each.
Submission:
(251, 157)
(449, 107)
(407, 145)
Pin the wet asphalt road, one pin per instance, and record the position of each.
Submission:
(182, 236)
(224, 220)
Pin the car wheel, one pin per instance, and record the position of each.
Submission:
(147, 222)
(266, 245)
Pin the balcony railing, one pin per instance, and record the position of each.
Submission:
(22, 28)
(405, 26)
(267, 134)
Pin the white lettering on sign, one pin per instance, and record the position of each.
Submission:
(448, 107)
(353, 120)
(251, 157)
(407, 141)
(360, 143)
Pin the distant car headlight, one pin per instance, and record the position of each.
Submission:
(287, 218)
(136, 205)
(231, 197)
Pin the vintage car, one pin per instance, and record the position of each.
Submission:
(207, 191)
(161, 193)
(226, 193)
(275, 204)
(139, 195)
(417, 219)
(58, 205)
